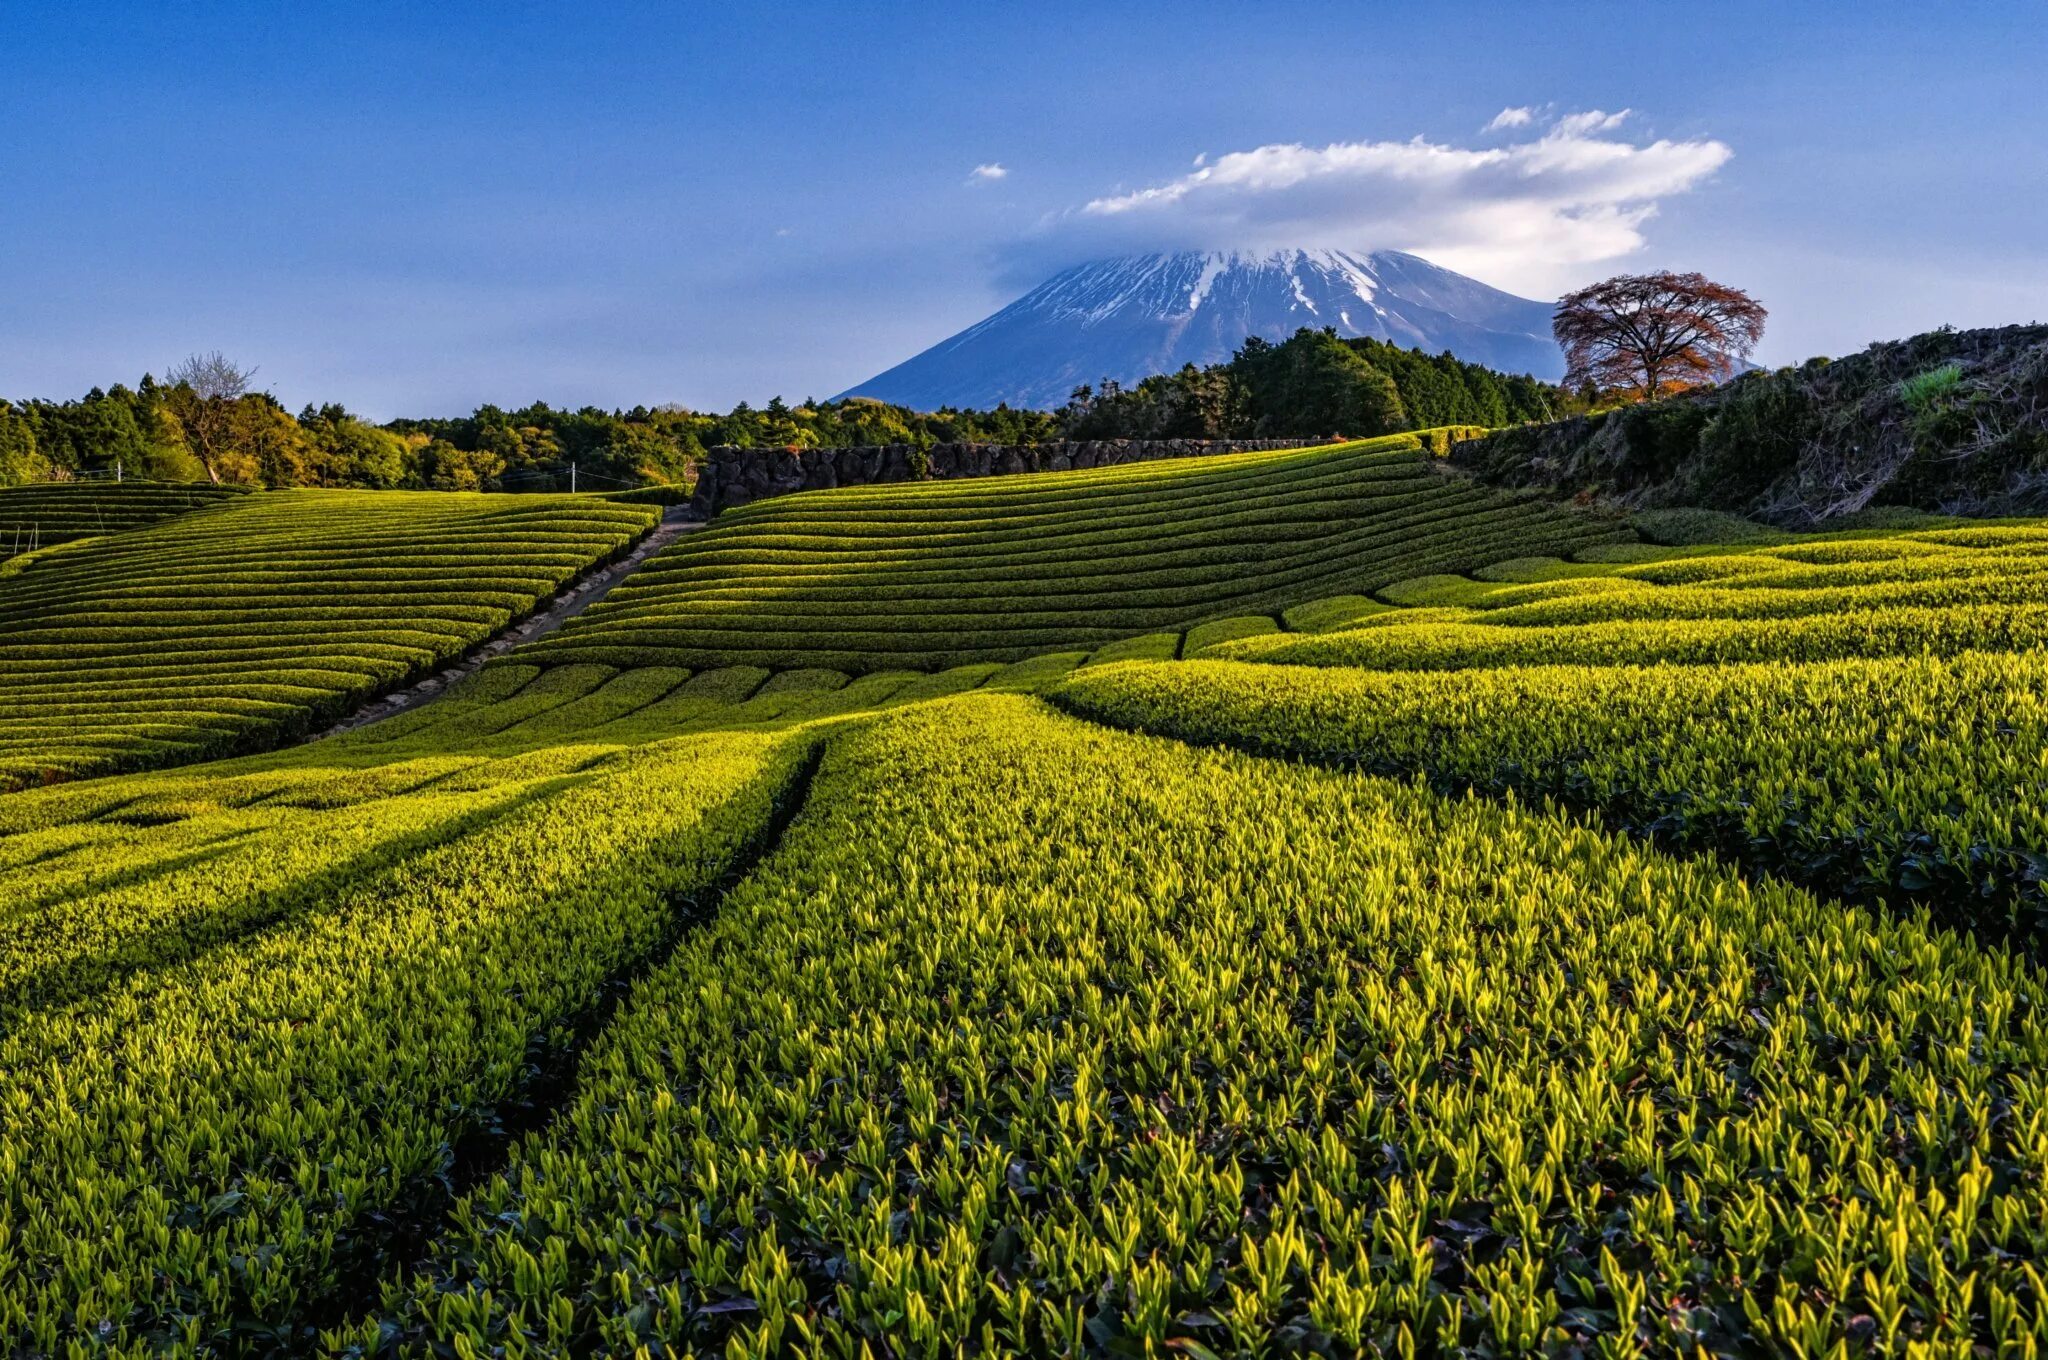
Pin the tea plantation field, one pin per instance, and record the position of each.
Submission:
(1392, 921)
(996, 569)
(254, 619)
(49, 514)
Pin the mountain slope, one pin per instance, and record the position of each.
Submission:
(1131, 317)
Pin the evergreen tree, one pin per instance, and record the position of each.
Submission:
(1314, 384)
(19, 460)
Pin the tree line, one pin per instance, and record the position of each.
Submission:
(205, 420)
(1313, 383)
(173, 432)
(534, 447)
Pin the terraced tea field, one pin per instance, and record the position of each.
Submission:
(53, 513)
(1516, 940)
(941, 574)
(246, 623)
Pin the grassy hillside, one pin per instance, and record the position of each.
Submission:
(50, 513)
(926, 576)
(249, 622)
(1953, 421)
(1410, 981)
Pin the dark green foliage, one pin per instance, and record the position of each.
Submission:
(347, 451)
(1311, 384)
(1195, 403)
(1658, 438)
(142, 432)
(19, 460)
(1687, 526)
(1440, 389)
(532, 449)
(1314, 382)
(1752, 434)
(131, 427)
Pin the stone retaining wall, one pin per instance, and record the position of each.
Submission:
(734, 476)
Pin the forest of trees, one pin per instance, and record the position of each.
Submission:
(170, 432)
(534, 446)
(173, 433)
(204, 423)
(1312, 384)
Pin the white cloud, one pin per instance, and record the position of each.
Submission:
(1529, 214)
(1511, 118)
(982, 174)
(1587, 123)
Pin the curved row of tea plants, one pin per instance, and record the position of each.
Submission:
(1443, 643)
(1938, 592)
(931, 575)
(1038, 1039)
(514, 707)
(1035, 1036)
(241, 1054)
(1921, 781)
(46, 514)
(188, 955)
(257, 620)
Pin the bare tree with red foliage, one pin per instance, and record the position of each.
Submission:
(1655, 332)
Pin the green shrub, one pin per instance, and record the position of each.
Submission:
(1923, 393)
(1686, 527)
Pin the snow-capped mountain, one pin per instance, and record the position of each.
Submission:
(1142, 314)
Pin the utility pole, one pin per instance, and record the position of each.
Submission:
(572, 476)
(117, 472)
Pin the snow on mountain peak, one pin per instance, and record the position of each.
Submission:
(1213, 264)
(1132, 316)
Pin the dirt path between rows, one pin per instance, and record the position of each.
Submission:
(675, 522)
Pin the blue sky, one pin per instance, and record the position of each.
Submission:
(413, 209)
